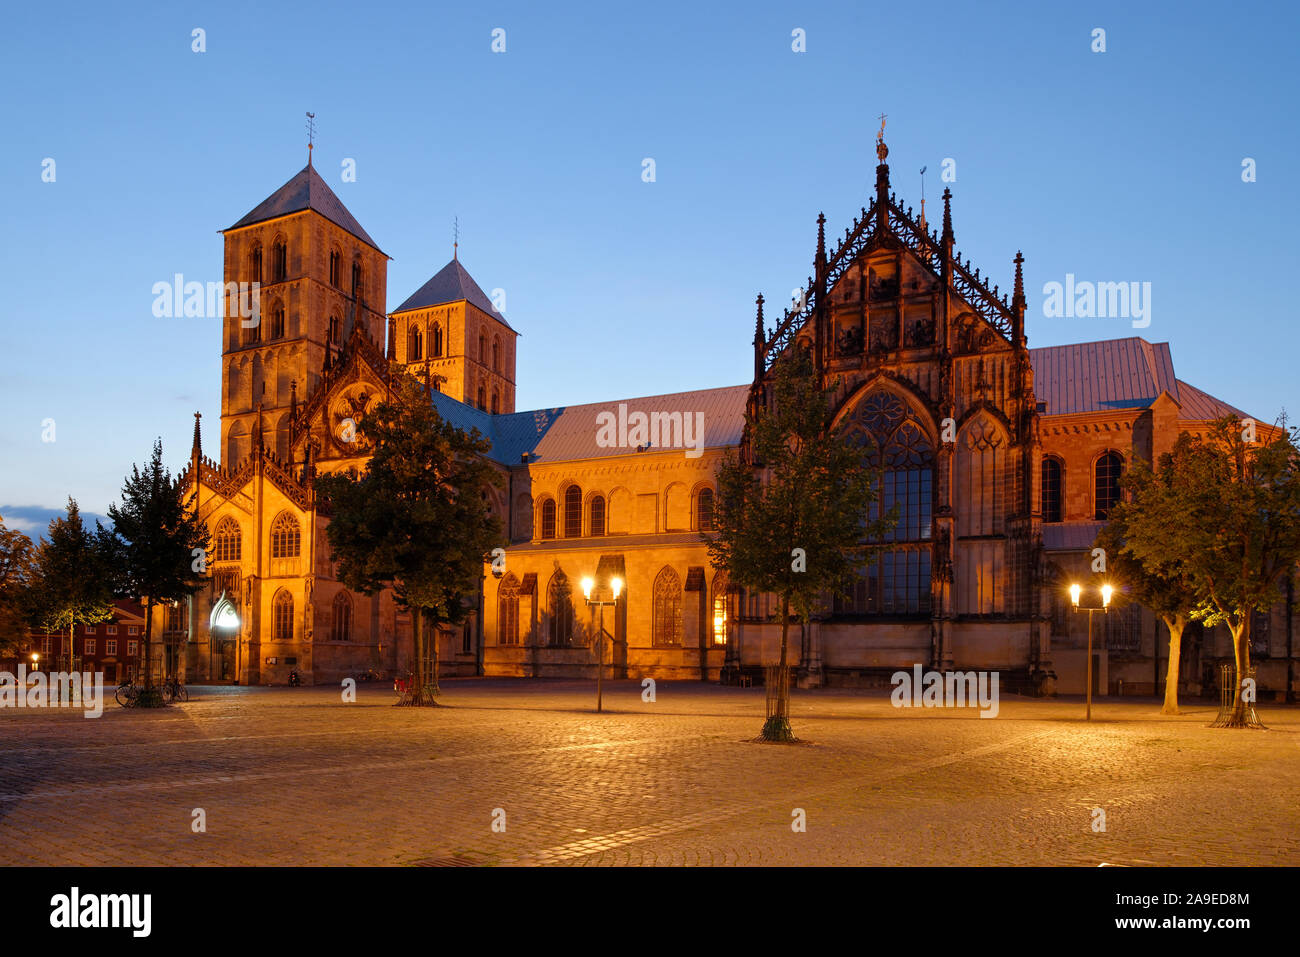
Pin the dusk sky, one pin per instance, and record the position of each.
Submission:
(1122, 166)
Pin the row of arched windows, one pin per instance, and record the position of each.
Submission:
(282, 622)
(279, 261)
(559, 612)
(565, 520)
(286, 539)
(1106, 473)
(273, 324)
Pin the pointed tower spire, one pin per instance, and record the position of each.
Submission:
(293, 401)
(758, 340)
(882, 180)
(1018, 302)
(196, 449)
(947, 218)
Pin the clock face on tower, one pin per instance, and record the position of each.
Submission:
(345, 415)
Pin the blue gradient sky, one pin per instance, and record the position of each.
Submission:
(1122, 166)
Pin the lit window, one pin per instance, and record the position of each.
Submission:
(285, 536)
(226, 541)
(282, 617)
(667, 628)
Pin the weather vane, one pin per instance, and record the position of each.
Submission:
(311, 135)
(455, 237)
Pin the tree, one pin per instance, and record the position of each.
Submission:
(1234, 525)
(73, 577)
(159, 548)
(1163, 586)
(16, 573)
(416, 520)
(794, 524)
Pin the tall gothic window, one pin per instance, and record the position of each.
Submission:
(667, 608)
(1106, 488)
(482, 398)
(508, 610)
(496, 401)
(356, 280)
(342, 624)
(718, 624)
(277, 321)
(1051, 489)
(226, 541)
(896, 578)
(598, 515)
(336, 268)
(414, 345)
(435, 349)
(279, 261)
(286, 538)
(333, 334)
(548, 518)
(496, 353)
(704, 510)
(572, 512)
(282, 616)
(177, 618)
(482, 349)
(559, 602)
(255, 264)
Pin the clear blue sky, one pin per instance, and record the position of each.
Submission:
(1115, 166)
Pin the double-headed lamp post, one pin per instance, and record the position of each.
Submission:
(615, 586)
(1106, 591)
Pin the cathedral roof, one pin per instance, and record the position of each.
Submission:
(306, 191)
(452, 283)
(568, 433)
(1116, 374)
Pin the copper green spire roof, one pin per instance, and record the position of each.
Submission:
(306, 191)
(452, 283)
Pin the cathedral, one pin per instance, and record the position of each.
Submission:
(1002, 460)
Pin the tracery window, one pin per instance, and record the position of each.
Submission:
(667, 608)
(286, 538)
(282, 616)
(225, 543)
(341, 629)
(895, 579)
(559, 601)
(508, 611)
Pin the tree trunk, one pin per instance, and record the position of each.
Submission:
(416, 686)
(148, 638)
(777, 727)
(1241, 654)
(1175, 624)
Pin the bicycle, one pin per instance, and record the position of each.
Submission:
(173, 690)
(127, 693)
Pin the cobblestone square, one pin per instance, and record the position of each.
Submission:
(288, 776)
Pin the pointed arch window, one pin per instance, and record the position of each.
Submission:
(277, 321)
(597, 509)
(573, 512)
(341, 628)
(356, 280)
(548, 519)
(496, 354)
(279, 261)
(559, 602)
(1108, 470)
(226, 541)
(333, 333)
(704, 510)
(286, 537)
(336, 268)
(435, 349)
(255, 264)
(282, 616)
(482, 399)
(508, 610)
(482, 349)
(1050, 489)
(496, 402)
(667, 609)
(896, 578)
(718, 622)
(414, 345)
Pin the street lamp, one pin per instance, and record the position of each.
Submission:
(35, 660)
(1106, 591)
(616, 586)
